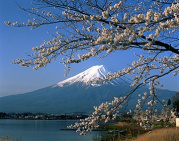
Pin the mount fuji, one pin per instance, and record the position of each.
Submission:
(89, 77)
(76, 94)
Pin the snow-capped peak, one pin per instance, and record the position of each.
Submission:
(87, 76)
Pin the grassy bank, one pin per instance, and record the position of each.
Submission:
(164, 134)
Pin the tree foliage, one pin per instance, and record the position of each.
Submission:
(176, 103)
(89, 28)
(176, 106)
(169, 102)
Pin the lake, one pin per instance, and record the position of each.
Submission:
(41, 130)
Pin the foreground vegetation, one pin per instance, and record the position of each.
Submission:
(164, 134)
(120, 131)
(131, 131)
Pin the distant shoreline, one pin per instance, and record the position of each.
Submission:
(43, 119)
(42, 116)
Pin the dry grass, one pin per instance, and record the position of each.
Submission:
(165, 134)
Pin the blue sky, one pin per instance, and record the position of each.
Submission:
(14, 42)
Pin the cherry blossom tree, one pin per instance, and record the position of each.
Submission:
(89, 28)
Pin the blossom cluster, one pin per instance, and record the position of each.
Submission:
(103, 113)
(106, 31)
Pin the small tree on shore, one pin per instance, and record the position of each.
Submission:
(176, 104)
(169, 102)
(89, 28)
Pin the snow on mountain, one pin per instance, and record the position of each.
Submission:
(76, 94)
(89, 77)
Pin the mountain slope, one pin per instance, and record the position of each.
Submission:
(75, 94)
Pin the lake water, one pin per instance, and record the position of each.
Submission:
(41, 130)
